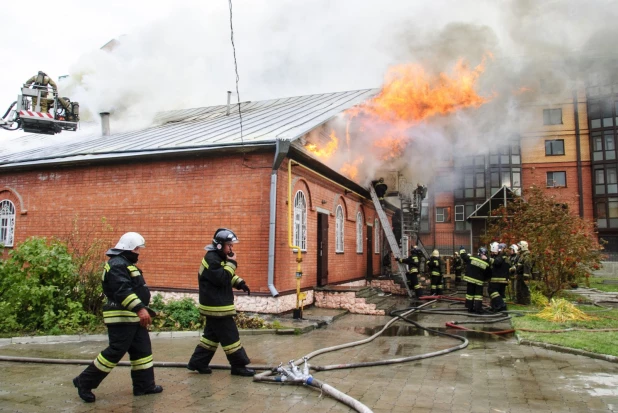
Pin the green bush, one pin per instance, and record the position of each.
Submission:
(39, 289)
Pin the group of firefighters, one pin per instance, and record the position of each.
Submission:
(499, 267)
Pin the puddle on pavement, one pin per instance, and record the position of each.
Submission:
(600, 384)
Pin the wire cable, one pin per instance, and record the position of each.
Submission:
(236, 69)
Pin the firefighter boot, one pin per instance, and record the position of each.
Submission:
(153, 390)
(200, 370)
(84, 393)
(242, 371)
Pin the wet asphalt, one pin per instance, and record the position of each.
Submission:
(493, 374)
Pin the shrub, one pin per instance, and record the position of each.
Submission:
(176, 314)
(39, 288)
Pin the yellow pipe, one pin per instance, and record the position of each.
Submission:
(299, 258)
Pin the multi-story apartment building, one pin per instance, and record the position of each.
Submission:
(566, 144)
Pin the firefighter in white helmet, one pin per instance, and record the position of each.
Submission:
(499, 276)
(513, 259)
(434, 264)
(523, 274)
(127, 317)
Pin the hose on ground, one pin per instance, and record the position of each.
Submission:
(9, 109)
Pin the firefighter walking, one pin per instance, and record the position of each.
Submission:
(217, 277)
(478, 270)
(127, 319)
(435, 270)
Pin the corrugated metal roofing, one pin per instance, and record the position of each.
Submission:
(200, 128)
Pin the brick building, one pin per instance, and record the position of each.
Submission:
(177, 182)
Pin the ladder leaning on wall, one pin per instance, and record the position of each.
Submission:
(388, 231)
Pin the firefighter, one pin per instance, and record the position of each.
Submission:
(42, 82)
(381, 189)
(458, 266)
(513, 259)
(523, 274)
(499, 276)
(478, 269)
(127, 317)
(435, 267)
(216, 278)
(414, 263)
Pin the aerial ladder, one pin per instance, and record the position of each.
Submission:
(24, 114)
(411, 208)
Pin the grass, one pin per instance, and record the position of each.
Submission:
(596, 342)
(597, 282)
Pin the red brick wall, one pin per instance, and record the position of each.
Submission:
(178, 204)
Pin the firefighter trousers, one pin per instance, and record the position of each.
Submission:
(437, 284)
(123, 338)
(219, 330)
(497, 294)
(414, 284)
(474, 297)
(522, 291)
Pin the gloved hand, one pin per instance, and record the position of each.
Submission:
(243, 286)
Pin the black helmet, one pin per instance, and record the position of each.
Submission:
(223, 235)
(482, 251)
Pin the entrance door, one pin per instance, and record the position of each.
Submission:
(369, 252)
(322, 249)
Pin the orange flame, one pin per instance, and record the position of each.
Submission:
(350, 169)
(390, 147)
(410, 94)
(328, 150)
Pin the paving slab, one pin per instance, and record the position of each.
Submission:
(493, 374)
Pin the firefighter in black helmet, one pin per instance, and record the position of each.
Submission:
(381, 189)
(414, 263)
(217, 277)
(127, 318)
(478, 270)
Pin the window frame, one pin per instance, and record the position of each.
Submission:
(460, 213)
(553, 179)
(300, 221)
(339, 230)
(7, 223)
(443, 215)
(551, 147)
(549, 116)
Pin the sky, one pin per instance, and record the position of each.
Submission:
(176, 55)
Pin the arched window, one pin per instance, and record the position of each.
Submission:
(300, 221)
(359, 232)
(339, 229)
(7, 222)
(376, 234)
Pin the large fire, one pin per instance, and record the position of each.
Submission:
(409, 96)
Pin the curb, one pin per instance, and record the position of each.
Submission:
(569, 350)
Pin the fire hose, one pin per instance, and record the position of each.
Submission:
(294, 375)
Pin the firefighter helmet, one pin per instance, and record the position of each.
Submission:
(435, 253)
(223, 236)
(130, 241)
(501, 246)
(515, 248)
(494, 247)
(482, 251)
(523, 245)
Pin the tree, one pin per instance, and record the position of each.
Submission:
(563, 247)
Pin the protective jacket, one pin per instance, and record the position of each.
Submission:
(500, 269)
(524, 265)
(125, 289)
(413, 263)
(478, 270)
(458, 264)
(216, 278)
(40, 82)
(435, 266)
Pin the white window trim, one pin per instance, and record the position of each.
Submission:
(460, 211)
(359, 232)
(376, 234)
(7, 223)
(440, 217)
(300, 221)
(339, 224)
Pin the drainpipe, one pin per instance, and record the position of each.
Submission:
(105, 131)
(281, 151)
(580, 185)
(229, 99)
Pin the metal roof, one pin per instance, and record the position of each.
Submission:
(191, 129)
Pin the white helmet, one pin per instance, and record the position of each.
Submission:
(130, 241)
(435, 253)
(494, 247)
(523, 245)
(515, 248)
